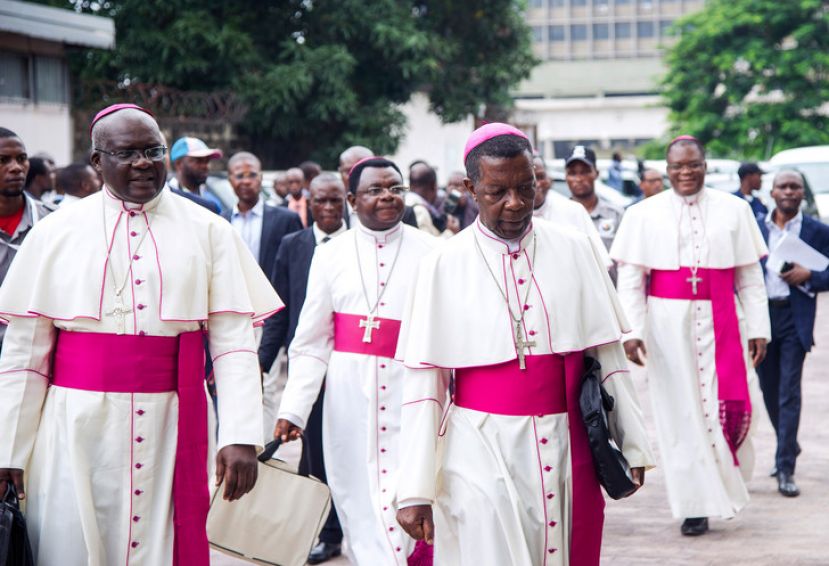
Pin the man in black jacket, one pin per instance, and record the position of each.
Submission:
(290, 279)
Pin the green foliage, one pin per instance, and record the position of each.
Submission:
(319, 75)
(749, 77)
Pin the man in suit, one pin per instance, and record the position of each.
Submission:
(792, 307)
(261, 225)
(290, 278)
(751, 180)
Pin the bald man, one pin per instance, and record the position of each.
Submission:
(102, 401)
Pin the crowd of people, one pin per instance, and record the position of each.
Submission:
(436, 343)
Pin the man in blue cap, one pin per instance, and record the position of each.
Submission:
(191, 161)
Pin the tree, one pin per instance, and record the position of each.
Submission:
(317, 76)
(749, 77)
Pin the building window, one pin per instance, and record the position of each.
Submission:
(50, 80)
(578, 32)
(536, 3)
(557, 33)
(578, 3)
(601, 31)
(538, 34)
(14, 76)
(622, 30)
(664, 27)
(645, 29)
(557, 3)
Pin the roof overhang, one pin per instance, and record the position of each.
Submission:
(56, 24)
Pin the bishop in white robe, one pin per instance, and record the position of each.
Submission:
(690, 282)
(102, 399)
(347, 334)
(501, 473)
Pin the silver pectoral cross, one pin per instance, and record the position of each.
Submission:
(693, 280)
(369, 324)
(520, 345)
(120, 312)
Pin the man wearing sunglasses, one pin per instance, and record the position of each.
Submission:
(347, 333)
(102, 401)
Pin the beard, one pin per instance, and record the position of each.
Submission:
(11, 193)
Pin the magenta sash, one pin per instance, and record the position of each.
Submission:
(551, 384)
(717, 286)
(153, 364)
(348, 336)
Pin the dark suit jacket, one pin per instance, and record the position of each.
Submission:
(208, 204)
(290, 279)
(757, 207)
(804, 307)
(276, 223)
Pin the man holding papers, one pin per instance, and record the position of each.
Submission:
(795, 272)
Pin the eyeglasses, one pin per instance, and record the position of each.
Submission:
(243, 176)
(693, 166)
(125, 156)
(397, 190)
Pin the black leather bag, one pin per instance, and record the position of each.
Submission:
(15, 549)
(595, 403)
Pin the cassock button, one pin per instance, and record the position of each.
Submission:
(383, 387)
(532, 333)
(550, 495)
(383, 450)
(135, 518)
(139, 412)
(133, 233)
(391, 529)
(138, 491)
(521, 282)
(382, 365)
(382, 264)
(526, 307)
(133, 213)
(543, 441)
(142, 333)
(134, 544)
(710, 430)
(385, 508)
(383, 471)
(398, 549)
(547, 468)
(136, 257)
(138, 282)
(382, 407)
(552, 523)
(514, 256)
(139, 465)
(382, 284)
(140, 307)
(382, 304)
(551, 550)
(380, 246)
(139, 439)
(383, 428)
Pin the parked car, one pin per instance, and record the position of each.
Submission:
(813, 163)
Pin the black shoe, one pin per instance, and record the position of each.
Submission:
(786, 485)
(694, 527)
(323, 552)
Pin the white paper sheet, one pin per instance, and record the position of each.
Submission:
(794, 250)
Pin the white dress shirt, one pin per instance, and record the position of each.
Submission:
(775, 286)
(249, 226)
(320, 235)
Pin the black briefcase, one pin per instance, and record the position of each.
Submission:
(15, 549)
(611, 466)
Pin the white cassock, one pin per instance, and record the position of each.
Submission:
(99, 465)
(665, 232)
(501, 483)
(562, 211)
(361, 411)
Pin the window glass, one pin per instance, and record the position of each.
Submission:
(50, 80)
(14, 76)
(622, 30)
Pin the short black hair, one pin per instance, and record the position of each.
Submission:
(7, 133)
(310, 169)
(506, 146)
(68, 179)
(357, 171)
(686, 140)
(427, 178)
(37, 166)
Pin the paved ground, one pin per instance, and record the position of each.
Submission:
(772, 530)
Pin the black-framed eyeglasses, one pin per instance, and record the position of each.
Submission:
(124, 156)
(693, 167)
(248, 175)
(397, 190)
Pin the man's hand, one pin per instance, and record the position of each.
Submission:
(453, 224)
(797, 275)
(15, 476)
(417, 522)
(286, 431)
(757, 350)
(236, 466)
(635, 351)
(638, 475)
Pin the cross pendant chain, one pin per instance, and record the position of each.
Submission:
(693, 280)
(520, 345)
(369, 324)
(120, 312)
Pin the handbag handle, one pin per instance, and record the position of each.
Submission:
(273, 445)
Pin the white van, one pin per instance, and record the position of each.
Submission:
(813, 163)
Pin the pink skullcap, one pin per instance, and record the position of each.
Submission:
(363, 160)
(115, 108)
(684, 138)
(489, 131)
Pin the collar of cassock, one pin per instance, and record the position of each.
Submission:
(380, 236)
(490, 240)
(116, 203)
(692, 199)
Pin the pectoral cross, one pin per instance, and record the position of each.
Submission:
(693, 280)
(520, 344)
(120, 312)
(369, 324)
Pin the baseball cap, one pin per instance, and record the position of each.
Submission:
(583, 154)
(749, 169)
(192, 147)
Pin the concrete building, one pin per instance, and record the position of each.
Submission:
(34, 79)
(598, 80)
